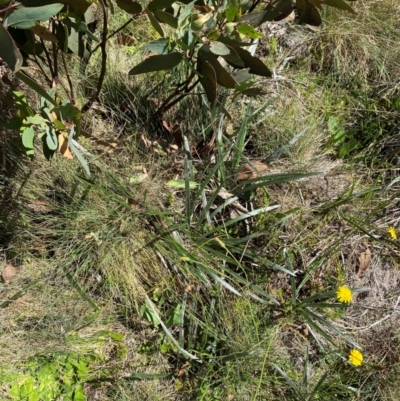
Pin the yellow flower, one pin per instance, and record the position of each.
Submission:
(344, 294)
(392, 232)
(356, 357)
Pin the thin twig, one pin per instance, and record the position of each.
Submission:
(41, 69)
(55, 59)
(103, 46)
(165, 105)
(117, 31)
(4, 10)
(178, 99)
(48, 59)
(71, 88)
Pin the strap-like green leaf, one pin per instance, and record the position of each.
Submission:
(167, 18)
(342, 5)
(27, 137)
(207, 79)
(130, 6)
(8, 51)
(157, 63)
(155, 23)
(308, 13)
(25, 18)
(159, 4)
(255, 65)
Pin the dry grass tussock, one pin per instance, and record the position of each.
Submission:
(362, 46)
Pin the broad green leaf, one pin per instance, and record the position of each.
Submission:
(253, 92)
(188, 41)
(159, 46)
(275, 11)
(69, 112)
(130, 6)
(167, 18)
(76, 41)
(9, 51)
(27, 137)
(22, 104)
(341, 4)
(155, 23)
(200, 20)
(61, 32)
(184, 14)
(231, 12)
(317, 3)
(249, 31)
(207, 79)
(51, 138)
(308, 13)
(255, 65)
(37, 119)
(159, 4)
(233, 58)
(157, 63)
(79, 7)
(79, 156)
(219, 48)
(36, 87)
(233, 43)
(223, 77)
(25, 18)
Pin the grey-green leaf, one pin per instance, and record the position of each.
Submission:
(9, 51)
(255, 65)
(219, 48)
(159, 46)
(167, 18)
(157, 63)
(27, 137)
(130, 6)
(25, 18)
(341, 4)
(207, 79)
(51, 138)
(155, 23)
(159, 4)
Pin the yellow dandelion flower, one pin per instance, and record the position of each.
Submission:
(355, 357)
(392, 232)
(344, 294)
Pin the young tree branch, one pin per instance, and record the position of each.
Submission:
(103, 46)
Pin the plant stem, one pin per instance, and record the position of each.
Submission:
(71, 88)
(118, 30)
(103, 46)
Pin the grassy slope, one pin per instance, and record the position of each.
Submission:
(95, 256)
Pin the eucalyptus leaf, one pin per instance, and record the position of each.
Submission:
(51, 138)
(341, 4)
(219, 48)
(25, 18)
(157, 63)
(207, 79)
(167, 18)
(27, 137)
(9, 51)
(159, 4)
(308, 13)
(255, 65)
(130, 6)
(155, 23)
(249, 31)
(159, 46)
